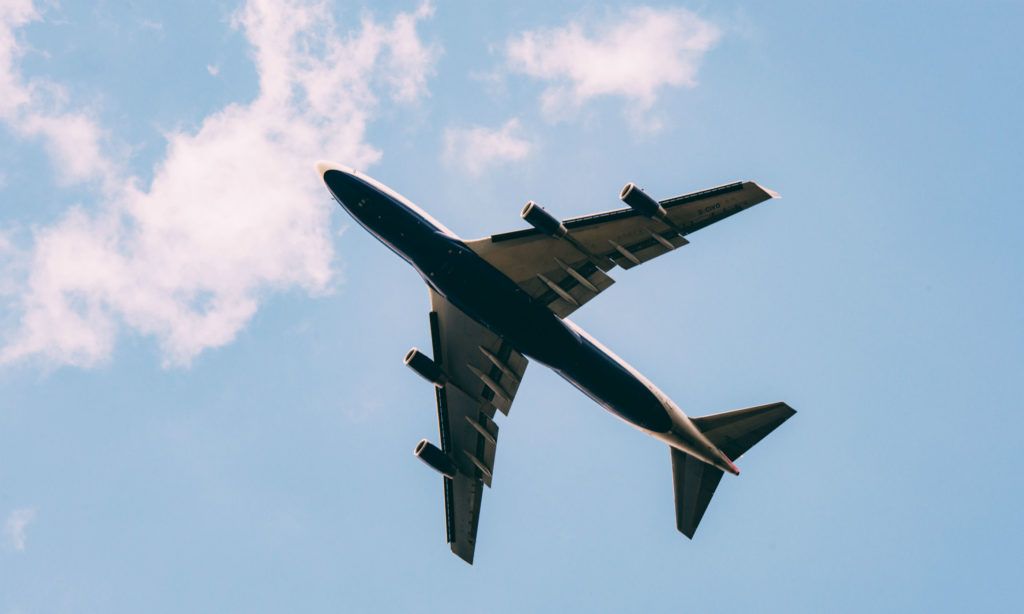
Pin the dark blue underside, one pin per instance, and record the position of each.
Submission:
(492, 299)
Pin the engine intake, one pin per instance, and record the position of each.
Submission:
(425, 367)
(641, 202)
(435, 458)
(542, 220)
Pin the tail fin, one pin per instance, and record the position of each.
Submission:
(733, 433)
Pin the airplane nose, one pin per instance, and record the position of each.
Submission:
(343, 183)
(323, 166)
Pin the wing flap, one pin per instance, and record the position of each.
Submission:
(565, 287)
(646, 248)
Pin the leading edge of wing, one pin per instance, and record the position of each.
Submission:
(618, 214)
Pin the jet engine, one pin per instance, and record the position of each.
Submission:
(641, 202)
(542, 220)
(435, 458)
(425, 367)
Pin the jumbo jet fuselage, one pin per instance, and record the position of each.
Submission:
(485, 294)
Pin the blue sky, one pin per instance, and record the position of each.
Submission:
(202, 401)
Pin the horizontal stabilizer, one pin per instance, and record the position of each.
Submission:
(695, 482)
(735, 432)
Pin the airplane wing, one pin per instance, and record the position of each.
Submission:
(482, 374)
(564, 272)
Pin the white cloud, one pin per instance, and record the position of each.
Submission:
(32, 108)
(476, 148)
(633, 56)
(13, 14)
(213, 69)
(233, 210)
(16, 527)
(75, 143)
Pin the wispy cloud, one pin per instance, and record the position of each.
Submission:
(633, 55)
(16, 527)
(234, 209)
(476, 148)
(34, 109)
(13, 15)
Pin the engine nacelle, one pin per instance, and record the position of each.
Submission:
(542, 220)
(425, 367)
(641, 202)
(435, 458)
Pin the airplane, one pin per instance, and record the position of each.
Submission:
(500, 301)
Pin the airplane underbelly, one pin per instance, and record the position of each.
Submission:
(617, 390)
(499, 304)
